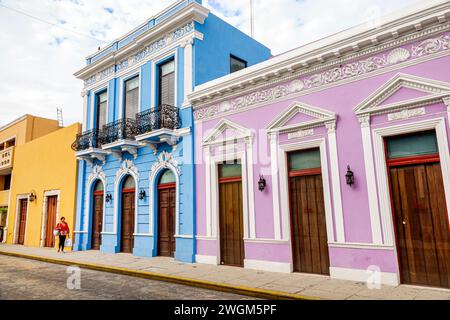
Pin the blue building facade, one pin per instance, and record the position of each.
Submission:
(136, 179)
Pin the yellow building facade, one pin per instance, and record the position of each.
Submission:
(13, 134)
(43, 188)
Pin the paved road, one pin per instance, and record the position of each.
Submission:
(28, 279)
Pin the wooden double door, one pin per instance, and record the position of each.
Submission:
(127, 221)
(97, 221)
(307, 211)
(420, 215)
(231, 227)
(50, 223)
(166, 219)
(23, 206)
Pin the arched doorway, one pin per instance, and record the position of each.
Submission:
(128, 215)
(166, 214)
(97, 215)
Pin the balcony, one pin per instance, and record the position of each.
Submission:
(119, 136)
(158, 125)
(87, 146)
(6, 160)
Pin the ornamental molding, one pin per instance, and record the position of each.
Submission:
(128, 167)
(321, 117)
(334, 72)
(406, 114)
(375, 101)
(142, 54)
(96, 173)
(239, 133)
(165, 160)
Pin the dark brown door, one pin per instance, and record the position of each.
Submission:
(97, 220)
(231, 226)
(308, 224)
(128, 198)
(166, 220)
(419, 209)
(23, 204)
(50, 224)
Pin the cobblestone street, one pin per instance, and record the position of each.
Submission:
(28, 279)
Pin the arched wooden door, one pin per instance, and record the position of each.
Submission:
(166, 214)
(128, 215)
(97, 216)
(419, 209)
(308, 224)
(231, 222)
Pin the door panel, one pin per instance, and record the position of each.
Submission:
(308, 225)
(23, 203)
(166, 222)
(231, 224)
(97, 221)
(50, 224)
(421, 224)
(128, 213)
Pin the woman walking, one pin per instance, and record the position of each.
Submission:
(63, 229)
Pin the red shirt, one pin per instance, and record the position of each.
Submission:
(63, 228)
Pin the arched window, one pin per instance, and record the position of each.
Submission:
(99, 186)
(129, 183)
(167, 177)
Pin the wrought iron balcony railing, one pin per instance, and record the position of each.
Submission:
(124, 129)
(162, 117)
(86, 140)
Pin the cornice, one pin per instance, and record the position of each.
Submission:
(324, 54)
(191, 13)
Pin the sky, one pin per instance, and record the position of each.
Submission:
(44, 44)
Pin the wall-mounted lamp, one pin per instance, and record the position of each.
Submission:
(32, 197)
(349, 176)
(262, 183)
(108, 197)
(142, 195)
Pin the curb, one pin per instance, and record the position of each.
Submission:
(222, 287)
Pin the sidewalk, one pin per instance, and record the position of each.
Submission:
(261, 284)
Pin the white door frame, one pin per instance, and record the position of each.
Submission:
(17, 218)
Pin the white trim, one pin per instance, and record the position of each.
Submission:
(214, 137)
(386, 278)
(128, 76)
(277, 226)
(154, 84)
(47, 194)
(284, 150)
(381, 167)
(17, 217)
(96, 174)
(372, 191)
(205, 259)
(320, 115)
(270, 266)
(356, 245)
(374, 103)
(336, 184)
(188, 62)
(5, 230)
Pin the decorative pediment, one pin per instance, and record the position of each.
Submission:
(165, 160)
(403, 92)
(300, 116)
(226, 130)
(127, 167)
(96, 173)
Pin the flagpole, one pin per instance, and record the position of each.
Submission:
(252, 25)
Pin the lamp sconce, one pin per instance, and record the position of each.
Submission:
(350, 177)
(142, 195)
(32, 197)
(108, 197)
(261, 183)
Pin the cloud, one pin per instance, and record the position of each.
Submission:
(38, 59)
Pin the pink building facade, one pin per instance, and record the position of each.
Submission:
(302, 123)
